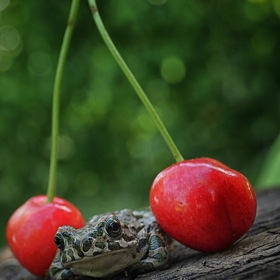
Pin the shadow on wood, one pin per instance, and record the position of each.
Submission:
(255, 256)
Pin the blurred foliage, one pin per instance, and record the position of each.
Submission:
(211, 68)
(269, 173)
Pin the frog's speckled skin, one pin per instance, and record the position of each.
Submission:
(110, 243)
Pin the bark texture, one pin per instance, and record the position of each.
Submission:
(255, 256)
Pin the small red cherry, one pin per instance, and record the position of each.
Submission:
(203, 204)
(30, 230)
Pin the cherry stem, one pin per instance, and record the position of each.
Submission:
(56, 95)
(169, 141)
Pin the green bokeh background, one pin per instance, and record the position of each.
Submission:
(211, 68)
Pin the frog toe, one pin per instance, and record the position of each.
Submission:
(61, 274)
(66, 274)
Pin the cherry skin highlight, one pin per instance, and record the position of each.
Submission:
(203, 204)
(30, 230)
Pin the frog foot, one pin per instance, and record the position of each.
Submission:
(57, 271)
(62, 274)
(157, 257)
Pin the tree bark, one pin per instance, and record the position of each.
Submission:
(255, 256)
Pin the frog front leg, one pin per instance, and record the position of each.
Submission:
(57, 271)
(158, 251)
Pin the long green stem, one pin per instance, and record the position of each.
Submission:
(56, 95)
(169, 141)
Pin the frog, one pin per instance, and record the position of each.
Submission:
(111, 243)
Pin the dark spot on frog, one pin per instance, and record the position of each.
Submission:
(76, 246)
(142, 243)
(66, 234)
(127, 237)
(148, 266)
(159, 257)
(87, 243)
(100, 228)
(156, 242)
(100, 245)
(96, 253)
(112, 245)
(97, 232)
(81, 254)
(93, 234)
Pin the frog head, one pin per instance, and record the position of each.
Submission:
(107, 245)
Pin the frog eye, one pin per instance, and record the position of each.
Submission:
(59, 241)
(113, 227)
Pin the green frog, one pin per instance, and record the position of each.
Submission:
(110, 243)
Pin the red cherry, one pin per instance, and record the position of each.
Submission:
(203, 204)
(31, 229)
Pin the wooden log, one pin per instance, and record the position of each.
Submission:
(255, 256)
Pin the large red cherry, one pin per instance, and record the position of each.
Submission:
(203, 204)
(31, 229)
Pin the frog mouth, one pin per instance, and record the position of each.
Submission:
(103, 265)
